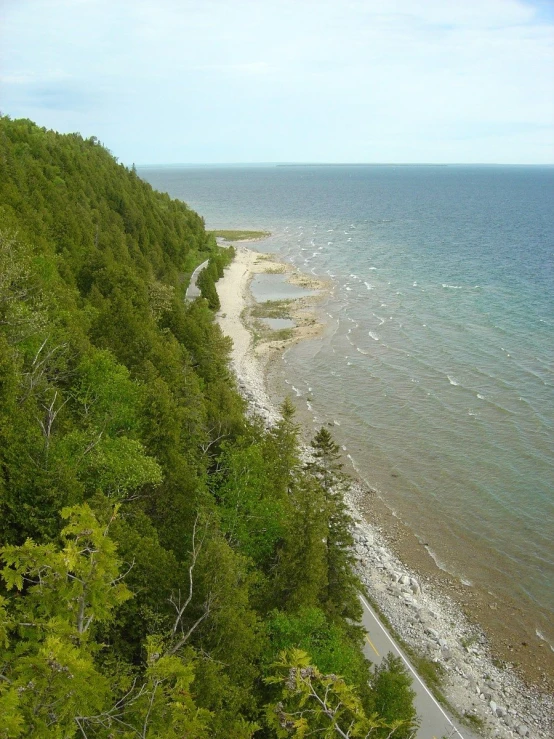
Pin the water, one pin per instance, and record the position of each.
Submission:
(437, 361)
(275, 287)
(275, 324)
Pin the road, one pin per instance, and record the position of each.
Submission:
(435, 722)
(193, 291)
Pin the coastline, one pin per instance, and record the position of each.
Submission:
(420, 601)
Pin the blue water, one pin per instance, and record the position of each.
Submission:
(437, 359)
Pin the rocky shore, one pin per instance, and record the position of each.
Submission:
(492, 698)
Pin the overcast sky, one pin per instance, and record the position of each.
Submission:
(190, 81)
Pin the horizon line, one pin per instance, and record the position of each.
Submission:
(346, 164)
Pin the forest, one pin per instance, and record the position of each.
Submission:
(169, 567)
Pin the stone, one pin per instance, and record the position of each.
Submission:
(500, 711)
(404, 580)
(522, 730)
(492, 706)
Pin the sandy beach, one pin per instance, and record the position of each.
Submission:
(424, 605)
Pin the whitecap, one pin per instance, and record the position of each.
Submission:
(349, 289)
(297, 391)
(337, 423)
(452, 380)
(369, 287)
(481, 397)
(373, 268)
(453, 287)
(361, 350)
(373, 336)
(349, 364)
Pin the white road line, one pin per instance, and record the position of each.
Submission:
(408, 665)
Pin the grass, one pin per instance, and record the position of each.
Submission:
(271, 309)
(230, 235)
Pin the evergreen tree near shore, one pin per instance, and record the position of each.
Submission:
(167, 565)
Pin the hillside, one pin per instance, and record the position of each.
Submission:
(170, 568)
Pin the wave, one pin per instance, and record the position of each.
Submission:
(544, 639)
(369, 287)
(373, 335)
(453, 287)
(452, 380)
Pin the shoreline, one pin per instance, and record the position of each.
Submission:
(427, 615)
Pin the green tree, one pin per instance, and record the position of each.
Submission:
(393, 696)
(310, 702)
(48, 668)
(343, 586)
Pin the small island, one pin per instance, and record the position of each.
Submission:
(230, 235)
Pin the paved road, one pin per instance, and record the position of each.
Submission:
(435, 722)
(193, 291)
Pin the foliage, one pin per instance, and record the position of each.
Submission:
(159, 548)
(310, 701)
(392, 695)
(229, 235)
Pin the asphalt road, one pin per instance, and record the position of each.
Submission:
(435, 722)
(193, 291)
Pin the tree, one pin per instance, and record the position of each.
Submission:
(49, 674)
(393, 695)
(310, 702)
(343, 586)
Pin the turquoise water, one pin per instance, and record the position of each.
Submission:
(437, 361)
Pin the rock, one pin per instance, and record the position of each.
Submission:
(492, 706)
(434, 634)
(522, 730)
(404, 580)
(500, 711)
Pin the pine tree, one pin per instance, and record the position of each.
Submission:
(341, 595)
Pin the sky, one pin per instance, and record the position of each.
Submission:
(229, 81)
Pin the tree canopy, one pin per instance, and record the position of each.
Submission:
(164, 559)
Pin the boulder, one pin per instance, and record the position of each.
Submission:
(522, 730)
(492, 706)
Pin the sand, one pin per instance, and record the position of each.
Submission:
(429, 616)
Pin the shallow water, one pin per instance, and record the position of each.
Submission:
(269, 286)
(276, 324)
(438, 358)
